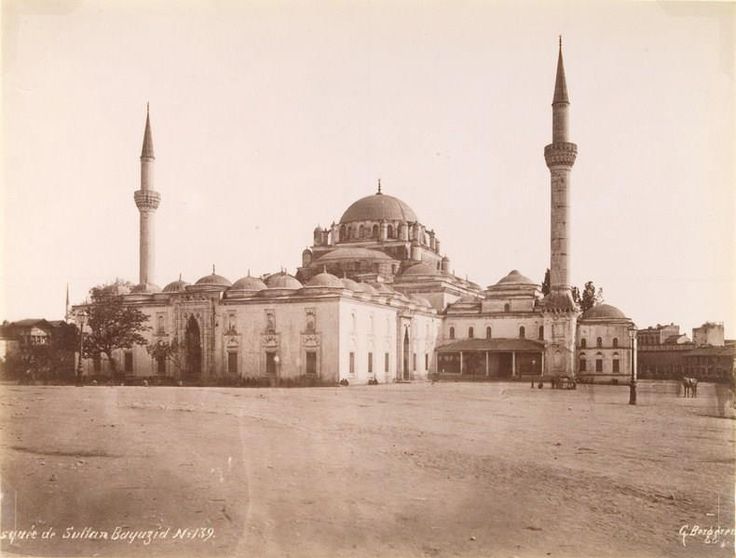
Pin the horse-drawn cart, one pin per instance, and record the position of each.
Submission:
(563, 382)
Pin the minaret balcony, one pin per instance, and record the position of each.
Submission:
(147, 200)
(560, 154)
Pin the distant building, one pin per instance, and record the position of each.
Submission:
(661, 352)
(715, 364)
(45, 348)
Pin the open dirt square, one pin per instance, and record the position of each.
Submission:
(389, 470)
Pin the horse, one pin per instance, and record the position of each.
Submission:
(690, 385)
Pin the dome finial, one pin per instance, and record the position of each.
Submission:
(379, 187)
(179, 276)
(213, 269)
(324, 269)
(248, 272)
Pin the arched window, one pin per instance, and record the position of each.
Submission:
(375, 231)
(471, 332)
(522, 332)
(582, 364)
(541, 332)
(616, 363)
(615, 342)
(452, 332)
(599, 342)
(488, 332)
(599, 362)
(507, 307)
(343, 233)
(390, 231)
(583, 343)
(361, 231)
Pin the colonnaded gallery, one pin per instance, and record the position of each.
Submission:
(374, 299)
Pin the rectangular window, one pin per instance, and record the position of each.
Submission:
(582, 365)
(370, 363)
(426, 361)
(386, 362)
(352, 363)
(616, 365)
(161, 365)
(312, 362)
(414, 362)
(599, 365)
(232, 362)
(128, 358)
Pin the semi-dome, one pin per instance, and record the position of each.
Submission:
(347, 253)
(515, 278)
(350, 284)
(176, 286)
(248, 283)
(282, 280)
(325, 279)
(422, 268)
(420, 300)
(366, 288)
(603, 312)
(377, 207)
(213, 280)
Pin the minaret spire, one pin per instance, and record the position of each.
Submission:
(147, 200)
(560, 95)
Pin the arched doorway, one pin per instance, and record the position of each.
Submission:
(193, 349)
(407, 375)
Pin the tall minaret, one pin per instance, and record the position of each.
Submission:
(560, 157)
(147, 200)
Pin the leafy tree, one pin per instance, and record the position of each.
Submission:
(575, 295)
(591, 296)
(170, 351)
(546, 283)
(112, 323)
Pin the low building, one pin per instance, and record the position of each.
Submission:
(41, 348)
(605, 345)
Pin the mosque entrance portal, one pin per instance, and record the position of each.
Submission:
(193, 340)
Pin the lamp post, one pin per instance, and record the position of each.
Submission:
(81, 315)
(632, 383)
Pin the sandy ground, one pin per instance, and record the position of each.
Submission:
(394, 470)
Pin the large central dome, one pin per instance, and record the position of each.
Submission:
(377, 207)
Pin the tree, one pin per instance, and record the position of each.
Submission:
(169, 351)
(546, 283)
(591, 296)
(113, 324)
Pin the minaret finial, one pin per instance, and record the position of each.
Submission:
(147, 108)
(560, 95)
(560, 42)
(180, 276)
(248, 272)
(379, 186)
(147, 150)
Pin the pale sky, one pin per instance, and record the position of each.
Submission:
(270, 118)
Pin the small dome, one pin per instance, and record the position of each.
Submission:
(366, 288)
(117, 288)
(422, 268)
(145, 288)
(515, 278)
(213, 280)
(345, 253)
(350, 284)
(175, 286)
(603, 311)
(378, 207)
(282, 280)
(382, 288)
(248, 283)
(325, 279)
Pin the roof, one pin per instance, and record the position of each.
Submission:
(725, 350)
(282, 280)
(213, 280)
(560, 82)
(493, 344)
(422, 268)
(175, 286)
(145, 288)
(352, 253)
(147, 149)
(325, 279)
(248, 283)
(30, 322)
(378, 207)
(603, 311)
(515, 278)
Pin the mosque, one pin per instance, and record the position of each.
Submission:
(374, 300)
